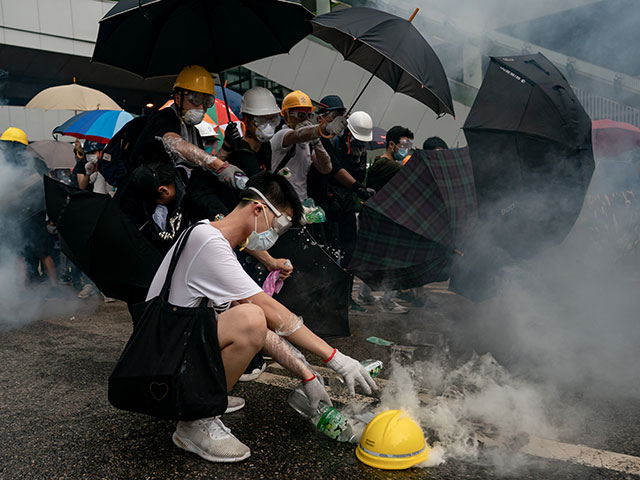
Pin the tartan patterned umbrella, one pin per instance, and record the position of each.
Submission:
(409, 229)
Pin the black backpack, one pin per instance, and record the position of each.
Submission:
(116, 162)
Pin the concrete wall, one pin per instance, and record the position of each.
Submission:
(319, 70)
(63, 26)
(37, 123)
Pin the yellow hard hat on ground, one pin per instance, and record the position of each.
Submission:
(295, 99)
(392, 441)
(196, 79)
(13, 134)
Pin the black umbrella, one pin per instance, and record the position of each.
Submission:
(101, 241)
(392, 49)
(530, 144)
(159, 37)
(318, 289)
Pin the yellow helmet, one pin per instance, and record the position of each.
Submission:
(196, 79)
(295, 99)
(392, 441)
(13, 134)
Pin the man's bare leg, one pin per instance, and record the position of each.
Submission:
(50, 268)
(241, 333)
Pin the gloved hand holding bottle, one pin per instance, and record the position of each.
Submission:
(232, 176)
(315, 391)
(352, 371)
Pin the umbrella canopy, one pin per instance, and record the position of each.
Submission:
(379, 139)
(530, 142)
(159, 37)
(612, 138)
(318, 290)
(97, 125)
(54, 153)
(101, 241)
(391, 48)
(234, 99)
(410, 228)
(72, 97)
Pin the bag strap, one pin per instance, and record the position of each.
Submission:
(287, 156)
(180, 244)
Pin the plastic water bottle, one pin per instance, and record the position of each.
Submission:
(337, 384)
(241, 180)
(315, 215)
(327, 419)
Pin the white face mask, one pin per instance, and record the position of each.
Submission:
(92, 157)
(265, 132)
(263, 240)
(193, 116)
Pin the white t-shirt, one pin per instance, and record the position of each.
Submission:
(298, 165)
(207, 267)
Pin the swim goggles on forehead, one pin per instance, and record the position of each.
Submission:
(282, 222)
(199, 98)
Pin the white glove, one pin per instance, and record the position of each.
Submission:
(90, 167)
(314, 389)
(232, 176)
(93, 177)
(336, 126)
(352, 371)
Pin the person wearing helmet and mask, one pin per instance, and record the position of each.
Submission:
(297, 146)
(175, 127)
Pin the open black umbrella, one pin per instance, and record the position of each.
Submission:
(101, 241)
(392, 49)
(530, 142)
(409, 230)
(159, 37)
(318, 289)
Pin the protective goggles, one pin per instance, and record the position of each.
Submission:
(282, 222)
(301, 115)
(273, 120)
(199, 98)
(405, 143)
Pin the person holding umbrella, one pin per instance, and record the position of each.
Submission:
(193, 93)
(248, 319)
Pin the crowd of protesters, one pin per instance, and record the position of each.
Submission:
(278, 163)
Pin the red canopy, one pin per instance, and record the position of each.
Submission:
(612, 138)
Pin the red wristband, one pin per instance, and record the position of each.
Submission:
(309, 379)
(224, 165)
(332, 355)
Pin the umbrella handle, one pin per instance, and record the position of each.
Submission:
(224, 95)
(415, 12)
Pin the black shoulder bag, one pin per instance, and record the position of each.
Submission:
(171, 367)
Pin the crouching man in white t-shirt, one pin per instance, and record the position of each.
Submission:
(248, 319)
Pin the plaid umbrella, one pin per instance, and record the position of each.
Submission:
(408, 230)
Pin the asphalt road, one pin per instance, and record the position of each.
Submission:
(56, 422)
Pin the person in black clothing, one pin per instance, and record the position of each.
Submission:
(152, 200)
(175, 128)
(25, 226)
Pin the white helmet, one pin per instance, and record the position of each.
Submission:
(259, 101)
(206, 130)
(361, 126)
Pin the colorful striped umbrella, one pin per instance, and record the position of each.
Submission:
(96, 125)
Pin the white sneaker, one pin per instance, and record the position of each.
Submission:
(255, 373)
(394, 308)
(108, 299)
(371, 300)
(87, 291)
(234, 404)
(209, 438)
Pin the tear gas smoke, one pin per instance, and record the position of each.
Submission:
(20, 197)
